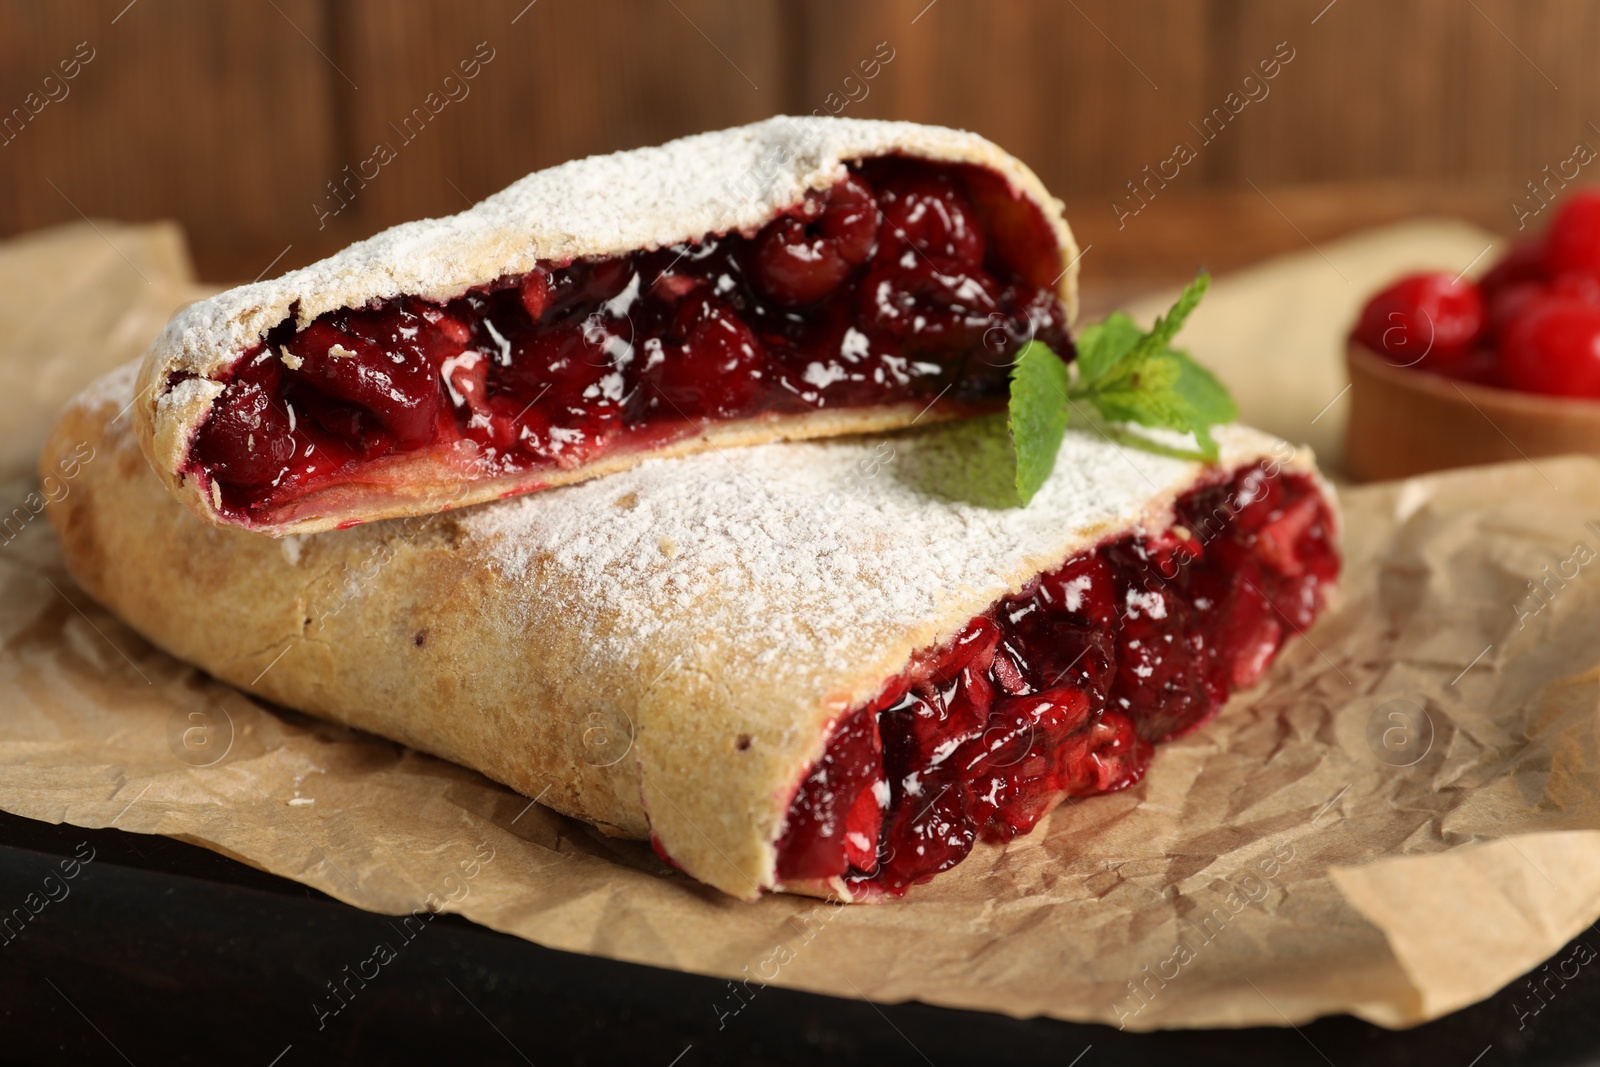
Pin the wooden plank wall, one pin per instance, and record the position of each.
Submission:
(234, 117)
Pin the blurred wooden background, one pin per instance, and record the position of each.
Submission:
(233, 117)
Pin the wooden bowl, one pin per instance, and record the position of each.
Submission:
(1404, 421)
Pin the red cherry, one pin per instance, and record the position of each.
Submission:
(799, 259)
(1584, 287)
(353, 427)
(1016, 724)
(928, 214)
(719, 367)
(862, 828)
(1081, 589)
(931, 306)
(1521, 263)
(466, 381)
(1114, 757)
(1277, 542)
(399, 387)
(1428, 316)
(535, 293)
(568, 387)
(671, 288)
(1509, 304)
(1258, 500)
(1036, 316)
(1573, 244)
(1067, 625)
(1553, 347)
(795, 267)
(246, 442)
(1511, 301)
(850, 220)
(829, 806)
(449, 330)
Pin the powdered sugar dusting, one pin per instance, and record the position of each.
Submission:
(728, 180)
(786, 554)
(187, 391)
(114, 387)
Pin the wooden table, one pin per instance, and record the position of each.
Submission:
(1226, 229)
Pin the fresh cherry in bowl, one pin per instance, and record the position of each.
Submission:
(1429, 318)
(1531, 324)
(1448, 371)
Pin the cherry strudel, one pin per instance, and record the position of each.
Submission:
(789, 666)
(797, 278)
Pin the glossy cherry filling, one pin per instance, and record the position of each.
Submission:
(905, 282)
(1064, 689)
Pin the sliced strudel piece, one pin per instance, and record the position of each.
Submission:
(791, 666)
(801, 277)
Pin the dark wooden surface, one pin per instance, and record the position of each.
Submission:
(234, 115)
(161, 952)
(1226, 228)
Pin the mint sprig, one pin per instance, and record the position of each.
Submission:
(1036, 417)
(1126, 375)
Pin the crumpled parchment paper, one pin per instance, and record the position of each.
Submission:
(1403, 817)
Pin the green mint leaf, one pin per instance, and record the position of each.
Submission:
(1103, 345)
(1209, 398)
(1136, 378)
(1146, 395)
(1037, 417)
(1154, 385)
(1167, 326)
(1171, 391)
(1125, 374)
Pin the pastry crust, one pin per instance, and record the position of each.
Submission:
(662, 652)
(730, 180)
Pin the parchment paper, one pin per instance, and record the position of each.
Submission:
(1402, 817)
(76, 301)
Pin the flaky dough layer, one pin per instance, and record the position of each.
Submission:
(730, 180)
(661, 652)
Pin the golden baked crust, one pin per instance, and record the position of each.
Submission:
(730, 180)
(661, 652)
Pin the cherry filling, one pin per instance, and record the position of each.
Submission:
(906, 281)
(1064, 689)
